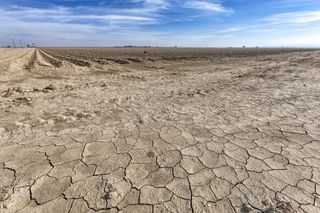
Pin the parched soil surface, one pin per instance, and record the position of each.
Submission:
(160, 130)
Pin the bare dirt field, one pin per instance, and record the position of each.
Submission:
(160, 130)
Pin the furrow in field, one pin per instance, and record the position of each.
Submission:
(32, 60)
(54, 61)
(97, 58)
(71, 59)
(13, 67)
(14, 59)
(43, 64)
(11, 54)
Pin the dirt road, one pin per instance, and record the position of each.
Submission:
(85, 130)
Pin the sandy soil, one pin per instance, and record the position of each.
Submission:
(159, 130)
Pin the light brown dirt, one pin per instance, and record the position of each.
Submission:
(159, 130)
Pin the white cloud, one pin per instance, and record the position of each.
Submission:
(159, 3)
(206, 5)
(147, 7)
(111, 26)
(68, 27)
(292, 3)
(60, 15)
(301, 17)
(233, 29)
(36, 11)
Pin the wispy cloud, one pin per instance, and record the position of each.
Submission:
(206, 5)
(301, 17)
(292, 3)
(233, 29)
(146, 7)
(161, 22)
(78, 26)
(31, 11)
(95, 21)
(61, 14)
(160, 3)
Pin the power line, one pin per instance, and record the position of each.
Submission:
(14, 44)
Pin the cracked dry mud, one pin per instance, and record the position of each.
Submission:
(238, 133)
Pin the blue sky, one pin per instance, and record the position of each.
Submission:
(189, 23)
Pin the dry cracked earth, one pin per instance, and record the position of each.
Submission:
(159, 130)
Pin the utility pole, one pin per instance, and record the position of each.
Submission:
(20, 44)
(14, 44)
